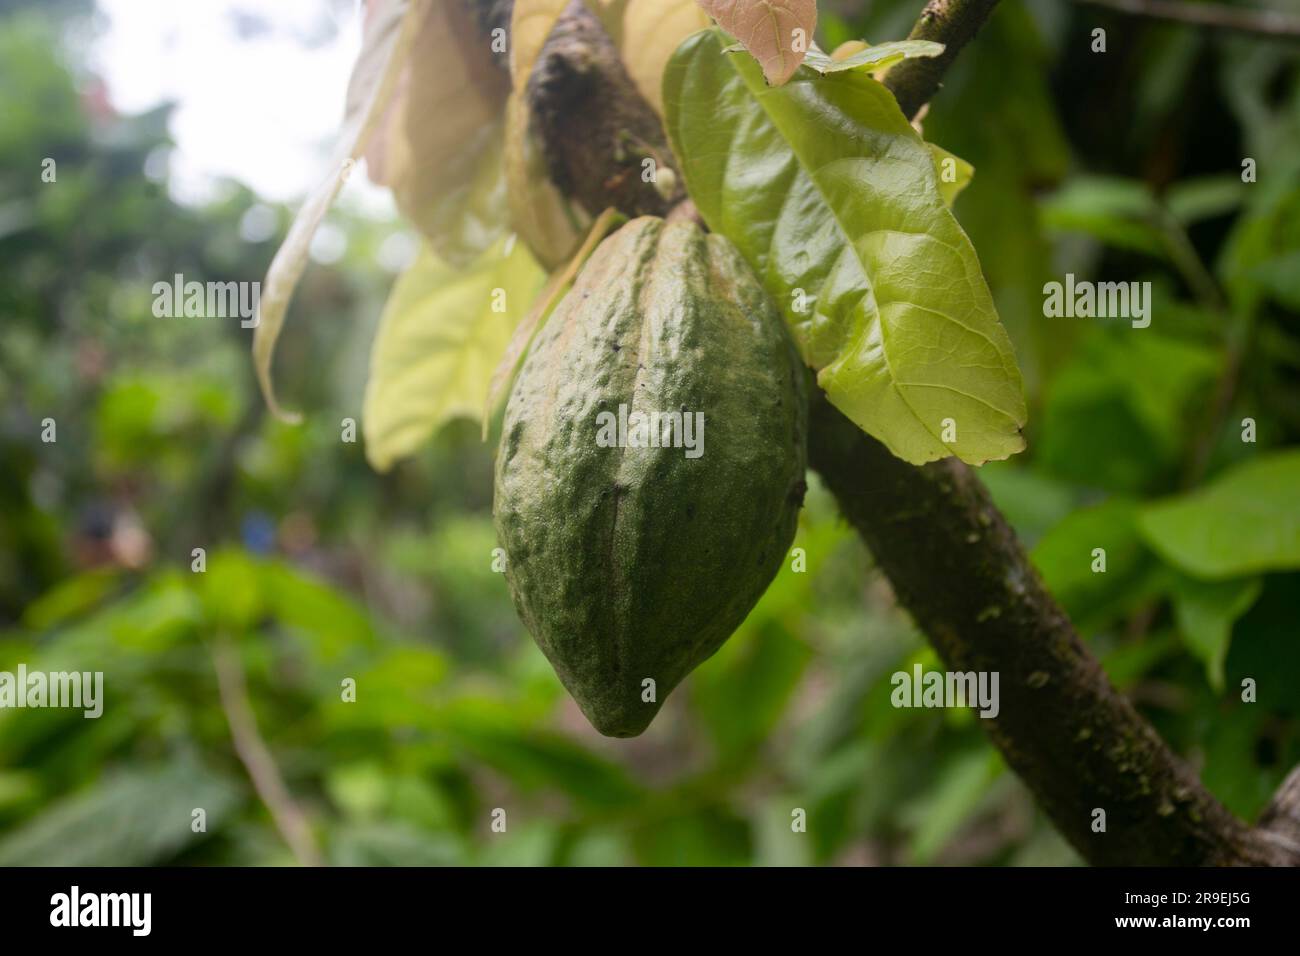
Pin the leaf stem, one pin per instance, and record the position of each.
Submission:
(256, 756)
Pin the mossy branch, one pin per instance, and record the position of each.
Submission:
(953, 23)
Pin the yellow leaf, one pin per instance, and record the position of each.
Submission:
(550, 224)
(953, 172)
(440, 337)
(530, 24)
(652, 31)
(555, 288)
(440, 147)
(847, 49)
(390, 29)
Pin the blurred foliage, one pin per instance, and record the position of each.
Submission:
(320, 570)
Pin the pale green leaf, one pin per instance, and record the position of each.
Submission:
(872, 58)
(1246, 521)
(832, 197)
(1118, 212)
(652, 30)
(390, 30)
(953, 172)
(777, 32)
(439, 339)
(135, 818)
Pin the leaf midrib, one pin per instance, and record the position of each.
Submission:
(805, 167)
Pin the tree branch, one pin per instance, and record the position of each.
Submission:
(1078, 744)
(1279, 824)
(953, 23)
(1272, 24)
(954, 562)
(595, 128)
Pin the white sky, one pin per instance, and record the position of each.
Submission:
(259, 88)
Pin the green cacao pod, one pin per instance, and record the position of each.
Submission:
(651, 467)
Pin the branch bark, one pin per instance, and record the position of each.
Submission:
(953, 560)
(594, 127)
(953, 23)
(1078, 744)
(1272, 24)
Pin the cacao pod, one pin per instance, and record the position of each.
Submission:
(633, 547)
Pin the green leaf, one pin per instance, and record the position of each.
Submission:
(1205, 198)
(326, 620)
(1264, 647)
(1139, 390)
(953, 172)
(394, 844)
(534, 843)
(1031, 500)
(439, 340)
(746, 686)
(1066, 559)
(1118, 212)
(71, 598)
(872, 57)
(137, 818)
(710, 835)
(1206, 610)
(1127, 663)
(540, 760)
(1277, 275)
(776, 841)
(959, 793)
(1246, 521)
(1022, 151)
(832, 197)
(231, 589)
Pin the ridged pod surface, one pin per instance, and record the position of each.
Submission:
(630, 564)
